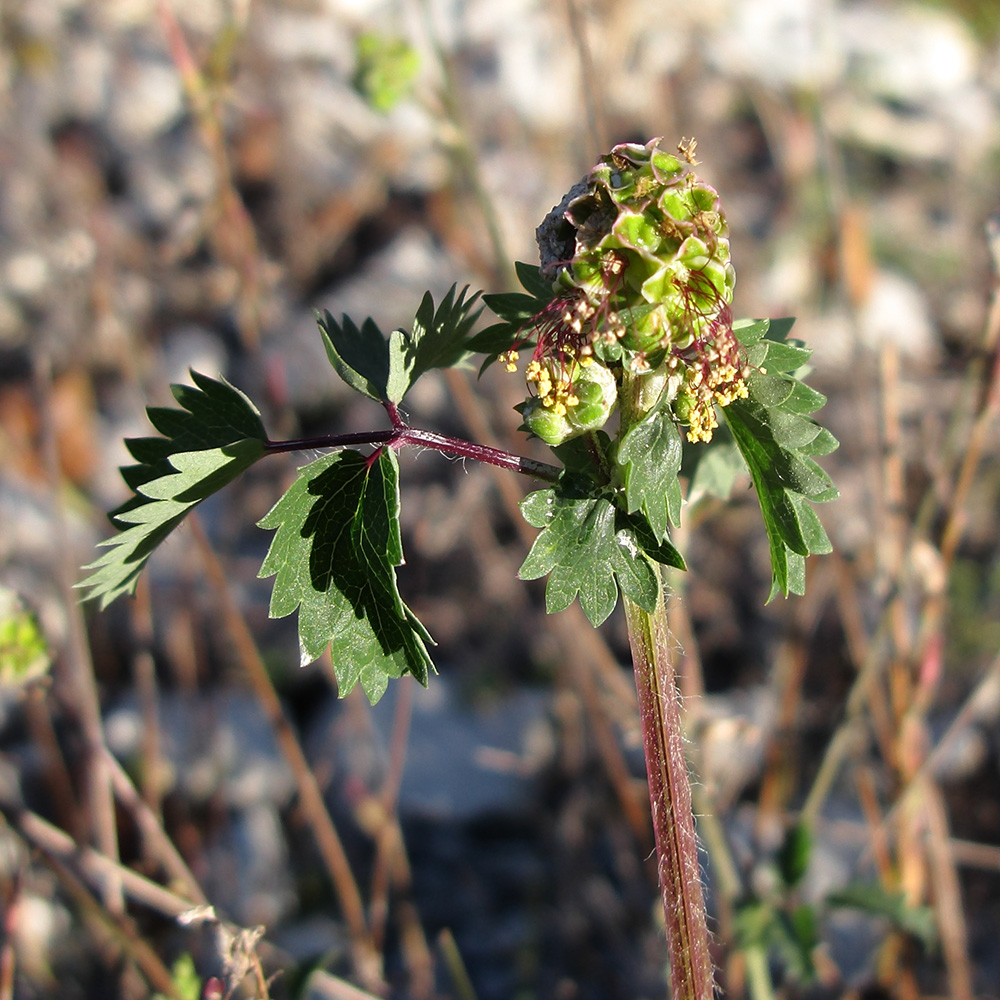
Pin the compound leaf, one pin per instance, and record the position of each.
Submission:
(334, 557)
(213, 437)
(383, 368)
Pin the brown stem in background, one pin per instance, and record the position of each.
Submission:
(691, 972)
(8, 927)
(155, 840)
(93, 866)
(81, 685)
(234, 236)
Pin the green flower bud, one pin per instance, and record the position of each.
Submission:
(683, 405)
(553, 428)
(569, 403)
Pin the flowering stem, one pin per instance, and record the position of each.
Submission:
(691, 973)
(401, 435)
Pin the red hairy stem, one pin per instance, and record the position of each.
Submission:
(401, 435)
(691, 971)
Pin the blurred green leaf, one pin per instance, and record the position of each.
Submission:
(385, 71)
(793, 858)
(187, 982)
(24, 653)
(871, 898)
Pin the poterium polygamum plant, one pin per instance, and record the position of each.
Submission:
(629, 310)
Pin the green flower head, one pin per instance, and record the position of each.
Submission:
(638, 255)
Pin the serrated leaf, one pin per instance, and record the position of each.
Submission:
(785, 357)
(334, 557)
(779, 329)
(793, 430)
(822, 444)
(384, 369)
(803, 399)
(776, 439)
(769, 390)
(650, 457)
(515, 310)
(438, 338)
(216, 435)
(588, 549)
(359, 355)
(662, 552)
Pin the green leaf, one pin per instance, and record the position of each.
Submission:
(530, 276)
(777, 439)
(793, 935)
(360, 356)
(334, 557)
(796, 937)
(384, 369)
(661, 552)
(715, 467)
(650, 455)
(186, 981)
(785, 357)
(516, 310)
(804, 399)
(437, 340)
(750, 331)
(779, 329)
(588, 549)
(213, 437)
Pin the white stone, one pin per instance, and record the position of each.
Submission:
(146, 99)
(781, 43)
(86, 71)
(896, 312)
(27, 273)
(911, 54)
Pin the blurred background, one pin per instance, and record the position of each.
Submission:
(182, 185)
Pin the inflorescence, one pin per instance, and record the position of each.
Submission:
(638, 253)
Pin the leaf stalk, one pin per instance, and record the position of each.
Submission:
(402, 435)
